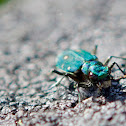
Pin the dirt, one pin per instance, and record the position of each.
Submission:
(32, 34)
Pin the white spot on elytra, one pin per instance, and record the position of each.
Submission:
(66, 57)
(62, 65)
(68, 68)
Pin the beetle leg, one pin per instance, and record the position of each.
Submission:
(122, 77)
(94, 52)
(79, 95)
(86, 84)
(57, 83)
(110, 57)
(117, 66)
(64, 74)
(49, 78)
(57, 72)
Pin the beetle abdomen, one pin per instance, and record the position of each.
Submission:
(72, 60)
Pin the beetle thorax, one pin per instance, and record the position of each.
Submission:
(95, 70)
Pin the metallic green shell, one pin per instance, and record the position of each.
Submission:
(96, 68)
(72, 60)
(85, 55)
(69, 61)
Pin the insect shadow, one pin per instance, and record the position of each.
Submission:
(88, 72)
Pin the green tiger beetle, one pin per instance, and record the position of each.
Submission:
(85, 69)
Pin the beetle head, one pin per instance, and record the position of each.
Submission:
(95, 70)
(98, 72)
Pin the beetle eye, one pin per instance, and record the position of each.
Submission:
(93, 76)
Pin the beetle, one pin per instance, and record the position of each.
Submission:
(85, 69)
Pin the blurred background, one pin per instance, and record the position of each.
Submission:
(58, 25)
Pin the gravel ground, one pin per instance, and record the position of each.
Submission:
(32, 33)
